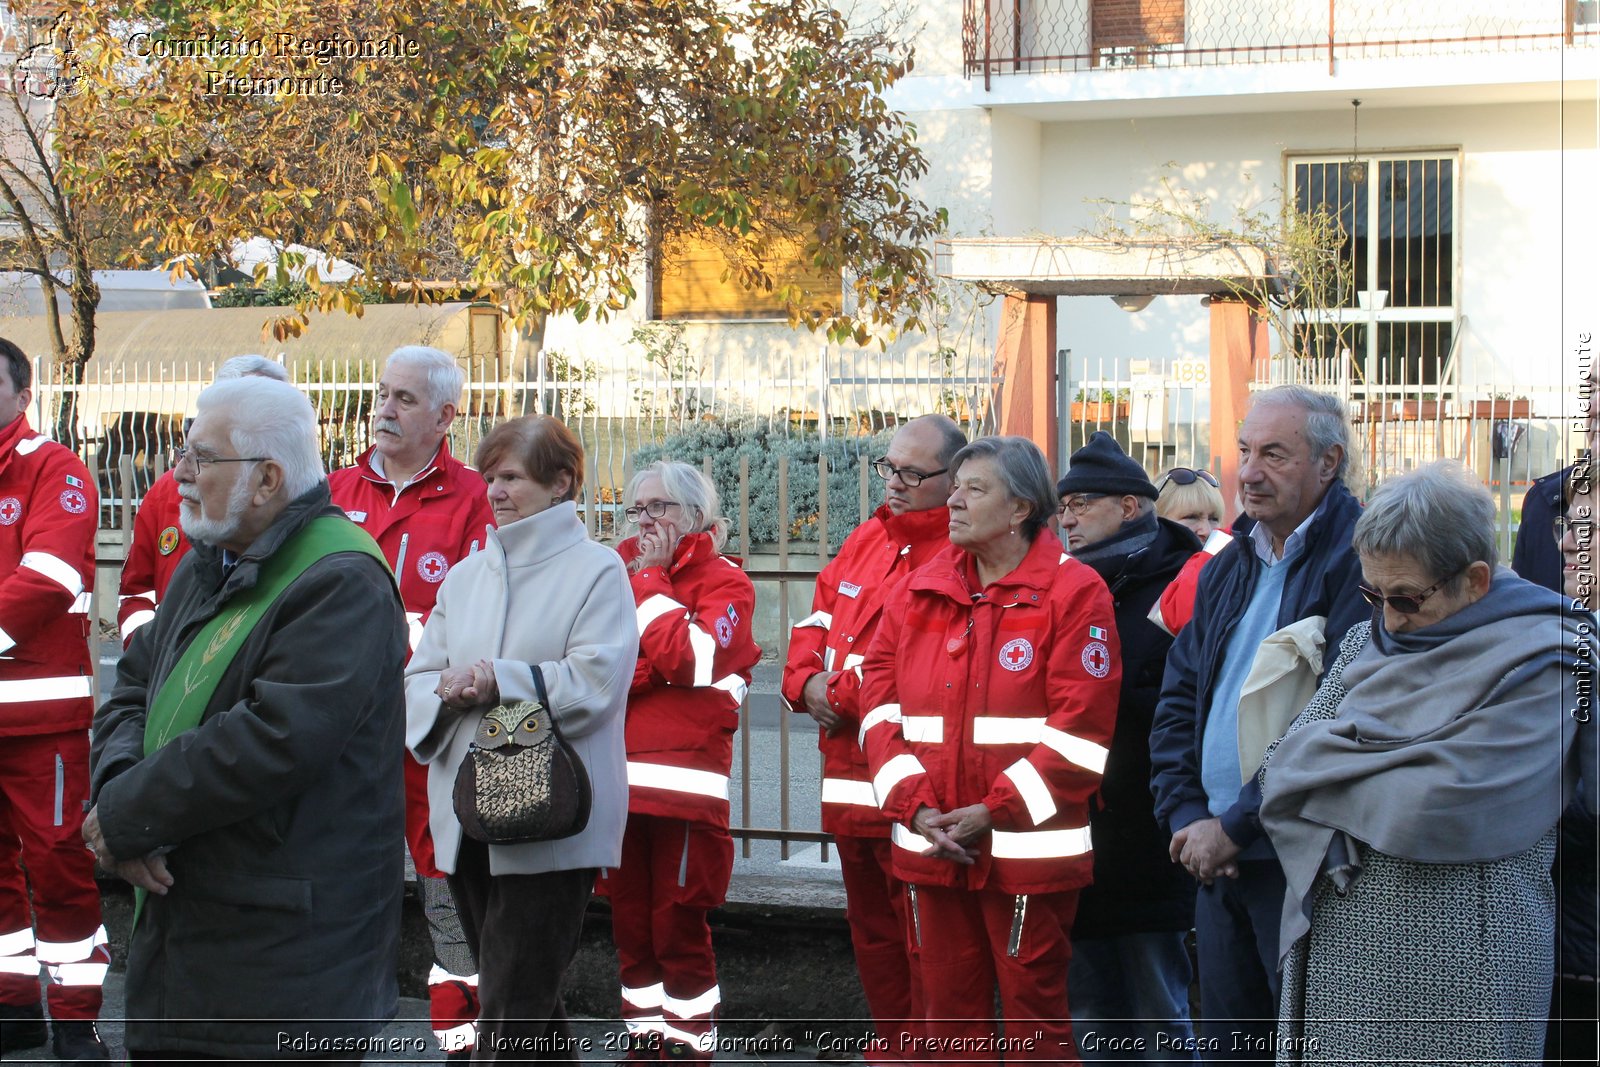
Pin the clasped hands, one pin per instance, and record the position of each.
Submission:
(468, 687)
(148, 873)
(951, 833)
(1205, 850)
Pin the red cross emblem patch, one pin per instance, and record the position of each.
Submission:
(73, 502)
(1016, 654)
(432, 567)
(10, 511)
(1097, 659)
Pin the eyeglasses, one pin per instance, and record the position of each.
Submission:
(887, 470)
(1406, 603)
(655, 509)
(1187, 476)
(202, 462)
(1582, 529)
(1079, 504)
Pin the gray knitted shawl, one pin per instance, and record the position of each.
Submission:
(1449, 746)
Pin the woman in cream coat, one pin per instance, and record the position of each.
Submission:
(539, 596)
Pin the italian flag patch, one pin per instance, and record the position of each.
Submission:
(1096, 633)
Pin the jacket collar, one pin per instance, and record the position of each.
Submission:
(1174, 544)
(441, 461)
(538, 537)
(914, 527)
(11, 436)
(1338, 509)
(954, 571)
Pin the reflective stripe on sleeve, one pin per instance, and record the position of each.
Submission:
(1085, 754)
(678, 780)
(1033, 790)
(928, 729)
(1040, 844)
(7, 642)
(134, 621)
(848, 791)
(80, 605)
(880, 714)
(56, 569)
(734, 686)
(17, 942)
(704, 647)
(655, 607)
(905, 837)
(820, 620)
(893, 773)
(67, 687)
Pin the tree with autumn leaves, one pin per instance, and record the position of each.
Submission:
(532, 153)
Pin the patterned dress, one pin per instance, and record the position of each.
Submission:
(1419, 962)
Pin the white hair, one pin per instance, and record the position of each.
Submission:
(691, 490)
(252, 365)
(443, 373)
(271, 419)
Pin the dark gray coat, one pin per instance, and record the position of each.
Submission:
(283, 809)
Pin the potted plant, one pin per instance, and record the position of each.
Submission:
(1100, 405)
(1502, 406)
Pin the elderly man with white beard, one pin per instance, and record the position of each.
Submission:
(246, 769)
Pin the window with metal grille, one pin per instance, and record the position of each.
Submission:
(1394, 328)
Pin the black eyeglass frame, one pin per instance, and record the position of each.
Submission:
(1083, 501)
(1561, 524)
(1406, 603)
(1194, 474)
(655, 509)
(910, 477)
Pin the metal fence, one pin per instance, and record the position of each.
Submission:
(1011, 37)
(806, 491)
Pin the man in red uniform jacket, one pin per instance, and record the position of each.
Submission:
(823, 678)
(48, 514)
(427, 510)
(158, 542)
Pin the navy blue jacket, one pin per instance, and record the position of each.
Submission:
(1536, 556)
(1321, 581)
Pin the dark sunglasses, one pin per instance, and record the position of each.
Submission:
(1187, 476)
(1406, 603)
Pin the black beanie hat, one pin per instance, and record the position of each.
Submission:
(1101, 466)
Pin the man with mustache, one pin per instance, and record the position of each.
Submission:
(427, 510)
(158, 543)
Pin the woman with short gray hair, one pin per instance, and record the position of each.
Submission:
(993, 682)
(1413, 803)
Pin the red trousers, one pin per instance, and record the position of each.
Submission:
(673, 872)
(875, 905)
(965, 952)
(44, 785)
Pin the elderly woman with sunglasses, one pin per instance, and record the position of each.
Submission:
(1413, 803)
(696, 652)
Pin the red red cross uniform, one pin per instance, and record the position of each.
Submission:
(48, 514)
(434, 521)
(1175, 608)
(833, 639)
(1006, 699)
(696, 651)
(157, 547)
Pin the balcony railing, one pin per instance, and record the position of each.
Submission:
(1038, 36)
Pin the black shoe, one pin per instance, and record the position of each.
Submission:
(77, 1041)
(21, 1027)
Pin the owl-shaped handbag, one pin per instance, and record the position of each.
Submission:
(520, 780)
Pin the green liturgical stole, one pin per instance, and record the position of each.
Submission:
(193, 681)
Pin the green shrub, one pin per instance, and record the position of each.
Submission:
(726, 444)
